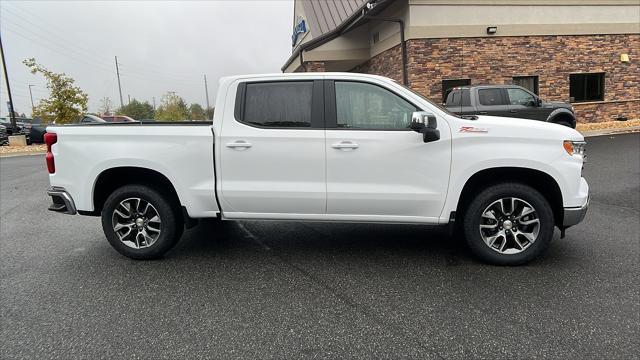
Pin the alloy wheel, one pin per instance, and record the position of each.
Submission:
(137, 223)
(509, 225)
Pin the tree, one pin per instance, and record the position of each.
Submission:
(172, 107)
(137, 110)
(106, 106)
(210, 112)
(196, 111)
(66, 102)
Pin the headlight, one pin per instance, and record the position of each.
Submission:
(574, 147)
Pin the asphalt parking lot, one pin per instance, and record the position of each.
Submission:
(314, 290)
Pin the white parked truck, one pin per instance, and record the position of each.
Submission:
(340, 147)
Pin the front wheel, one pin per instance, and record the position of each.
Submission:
(140, 223)
(565, 123)
(508, 224)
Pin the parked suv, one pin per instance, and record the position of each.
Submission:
(508, 101)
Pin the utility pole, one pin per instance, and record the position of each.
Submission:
(6, 78)
(206, 91)
(128, 99)
(33, 108)
(154, 103)
(119, 86)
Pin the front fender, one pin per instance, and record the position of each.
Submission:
(477, 153)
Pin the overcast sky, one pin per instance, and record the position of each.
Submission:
(161, 46)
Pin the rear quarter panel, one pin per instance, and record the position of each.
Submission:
(182, 153)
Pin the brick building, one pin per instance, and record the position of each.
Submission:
(581, 51)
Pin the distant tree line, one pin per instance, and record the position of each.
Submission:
(67, 102)
(172, 107)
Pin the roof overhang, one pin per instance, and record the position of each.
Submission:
(359, 17)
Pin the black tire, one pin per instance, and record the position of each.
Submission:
(169, 212)
(473, 217)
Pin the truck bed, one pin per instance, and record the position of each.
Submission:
(180, 151)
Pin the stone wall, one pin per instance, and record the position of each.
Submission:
(496, 60)
(312, 66)
(387, 63)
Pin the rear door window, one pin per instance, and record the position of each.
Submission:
(491, 97)
(278, 104)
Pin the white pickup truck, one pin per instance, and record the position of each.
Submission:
(339, 147)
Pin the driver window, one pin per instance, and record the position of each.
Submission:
(520, 97)
(367, 106)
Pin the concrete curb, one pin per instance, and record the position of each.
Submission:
(627, 130)
(8, 155)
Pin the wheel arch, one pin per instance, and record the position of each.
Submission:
(113, 178)
(562, 114)
(537, 179)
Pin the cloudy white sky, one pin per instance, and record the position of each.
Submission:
(161, 46)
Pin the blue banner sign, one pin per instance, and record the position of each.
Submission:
(300, 28)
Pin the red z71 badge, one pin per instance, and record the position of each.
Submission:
(473, 129)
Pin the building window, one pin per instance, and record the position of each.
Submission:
(528, 82)
(278, 104)
(447, 85)
(376, 37)
(586, 87)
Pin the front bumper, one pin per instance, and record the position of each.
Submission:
(574, 215)
(62, 201)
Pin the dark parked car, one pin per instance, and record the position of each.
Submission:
(24, 128)
(88, 119)
(4, 138)
(117, 118)
(509, 101)
(38, 129)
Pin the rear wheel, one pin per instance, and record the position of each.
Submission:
(140, 223)
(508, 224)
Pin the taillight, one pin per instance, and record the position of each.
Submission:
(50, 139)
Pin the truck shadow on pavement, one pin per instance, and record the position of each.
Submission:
(211, 238)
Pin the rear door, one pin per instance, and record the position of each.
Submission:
(378, 169)
(272, 150)
(492, 101)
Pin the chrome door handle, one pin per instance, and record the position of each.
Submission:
(239, 144)
(513, 111)
(345, 145)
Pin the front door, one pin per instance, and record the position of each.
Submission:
(523, 104)
(272, 151)
(378, 169)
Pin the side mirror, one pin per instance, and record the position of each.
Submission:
(538, 101)
(425, 123)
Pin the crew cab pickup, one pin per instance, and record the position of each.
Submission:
(338, 147)
(509, 101)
